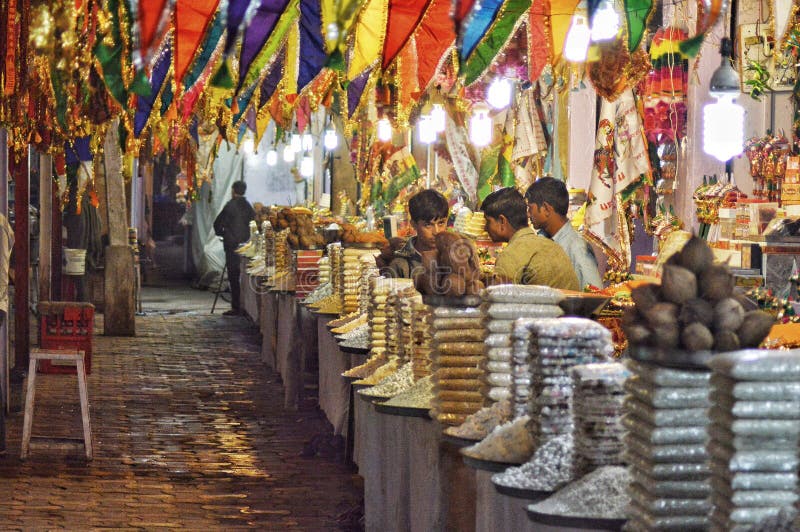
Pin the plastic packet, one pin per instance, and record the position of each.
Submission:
(758, 409)
(681, 453)
(515, 293)
(699, 471)
(499, 354)
(500, 326)
(756, 391)
(758, 365)
(755, 480)
(498, 340)
(669, 377)
(510, 311)
(668, 506)
(757, 427)
(667, 397)
(663, 436)
(673, 417)
(678, 489)
(757, 460)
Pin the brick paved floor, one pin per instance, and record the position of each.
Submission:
(189, 433)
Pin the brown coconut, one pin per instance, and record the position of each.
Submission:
(661, 314)
(697, 337)
(645, 295)
(696, 310)
(666, 336)
(725, 340)
(637, 334)
(678, 284)
(716, 282)
(696, 256)
(755, 327)
(728, 314)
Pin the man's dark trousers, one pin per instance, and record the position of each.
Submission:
(233, 263)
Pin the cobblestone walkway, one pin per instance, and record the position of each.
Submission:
(189, 433)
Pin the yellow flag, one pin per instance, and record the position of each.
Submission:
(369, 34)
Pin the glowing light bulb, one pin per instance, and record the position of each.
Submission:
(427, 133)
(576, 46)
(330, 140)
(308, 142)
(439, 118)
(296, 142)
(499, 93)
(272, 157)
(288, 153)
(307, 166)
(723, 128)
(384, 130)
(480, 127)
(605, 23)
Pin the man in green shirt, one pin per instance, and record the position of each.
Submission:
(528, 258)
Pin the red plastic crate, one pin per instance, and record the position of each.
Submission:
(66, 325)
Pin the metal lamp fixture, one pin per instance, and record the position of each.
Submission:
(439, 117)
(723, 120)
(308, 142)
(307, 166)
(288, 153)
(296, 143)
(272, 157)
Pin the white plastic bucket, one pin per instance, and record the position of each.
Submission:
(74, 261)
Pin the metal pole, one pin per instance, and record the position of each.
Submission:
(18, 165)
(430, 170)
(4, 345)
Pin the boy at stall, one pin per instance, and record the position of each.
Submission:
(528, 258)
(548, 202)
(429, 211)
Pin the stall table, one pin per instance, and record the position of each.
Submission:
(495, 511)
(269, 328)
(334, 390)
(413, 480)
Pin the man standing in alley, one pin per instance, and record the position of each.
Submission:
(232, 225)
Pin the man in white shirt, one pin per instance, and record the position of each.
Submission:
(548, 202)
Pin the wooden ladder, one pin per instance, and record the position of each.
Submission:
(45, 442)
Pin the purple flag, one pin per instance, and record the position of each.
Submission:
(354, 91)
(144, 104)
(312, 46)
(257, 33)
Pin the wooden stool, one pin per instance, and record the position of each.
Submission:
(40, 441)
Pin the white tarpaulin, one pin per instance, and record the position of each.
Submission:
(265, 184)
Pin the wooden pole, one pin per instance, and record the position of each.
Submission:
(45, 225)
(18, 165)
(55, 244)
(120, 308)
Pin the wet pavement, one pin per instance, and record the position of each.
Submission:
(189, 433)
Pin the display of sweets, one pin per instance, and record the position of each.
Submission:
(509, 443)
(503, 304)
(476, 226)
(269, 247)
(551, 466)
(324, 270)
(255, 265)
(248, 249)
(597, 396)
(754, 436)
(602, 494)
(369, 270)
(351, 270)
(332, 303)
(397, 382)
(421, 340)
(306, 270)
(478, 425)
(666, 423)
(282, 255)
(419, 395)
(407, 298)
(462, 217)
(458, 349)
(556, 346)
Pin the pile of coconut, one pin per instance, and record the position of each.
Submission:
(695, 307)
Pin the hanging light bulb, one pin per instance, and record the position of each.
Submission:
(439, 117)
(384, 130)
(576, 46)
(308, 142)
(605, 22)
(427, 133)
(330, 140)
(723, 120)
(296, 142)
(499, 93)
(288, 153)
(480, 126)
(272, 157)
(307, 166)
